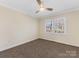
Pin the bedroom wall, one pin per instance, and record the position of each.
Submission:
(16, 28)
(71, 37)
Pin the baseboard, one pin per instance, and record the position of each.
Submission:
(61, 43)
(15, 45)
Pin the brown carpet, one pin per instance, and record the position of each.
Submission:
(41, 49)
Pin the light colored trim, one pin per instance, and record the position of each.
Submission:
(75, 45)
(14, 45)
(59, 13)
(38, 17)
(15, 9)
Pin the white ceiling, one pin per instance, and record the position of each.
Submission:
(29, 7)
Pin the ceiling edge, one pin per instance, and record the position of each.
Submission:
(14, 9)
(59, 13)
(53, 14)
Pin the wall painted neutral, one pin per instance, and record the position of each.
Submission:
(71, 37)
(16, 28)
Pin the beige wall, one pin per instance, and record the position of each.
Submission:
(16, 28)
(72, 35)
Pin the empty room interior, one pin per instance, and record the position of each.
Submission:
(39, 28)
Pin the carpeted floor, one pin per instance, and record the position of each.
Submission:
(41, 49)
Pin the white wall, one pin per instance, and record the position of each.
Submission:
(16, 28)
(72, 35)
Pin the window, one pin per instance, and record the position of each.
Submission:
(56, 25)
